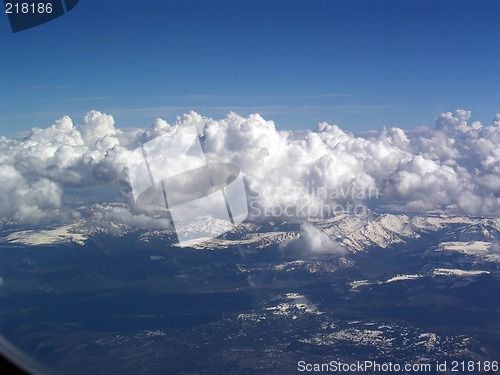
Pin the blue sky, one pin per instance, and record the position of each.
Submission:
(358, 64)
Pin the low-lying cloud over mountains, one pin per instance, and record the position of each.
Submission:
(287, 174)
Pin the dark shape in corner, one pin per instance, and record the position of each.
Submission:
(70, 4)
(37, 13)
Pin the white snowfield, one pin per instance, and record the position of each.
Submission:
(434, 272)
(362, 283)
(457, 272)
(68, 233)
(481, 249)
(472, 247)
(359, 283)
(404, 278)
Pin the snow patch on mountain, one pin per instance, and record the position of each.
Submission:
(294, 305)
(258, 240)
(356, 284)
(457, 272)
(472, 247)
(289, 266)
(65, 234)
(404, 278)
(481, 249)
(441, 221)
(359, 283)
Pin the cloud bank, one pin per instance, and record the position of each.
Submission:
(287, 174)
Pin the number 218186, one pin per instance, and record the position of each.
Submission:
(25, 8)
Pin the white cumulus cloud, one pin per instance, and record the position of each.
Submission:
(287, 174)
(312, 241)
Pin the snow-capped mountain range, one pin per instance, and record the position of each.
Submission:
(474, 236)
